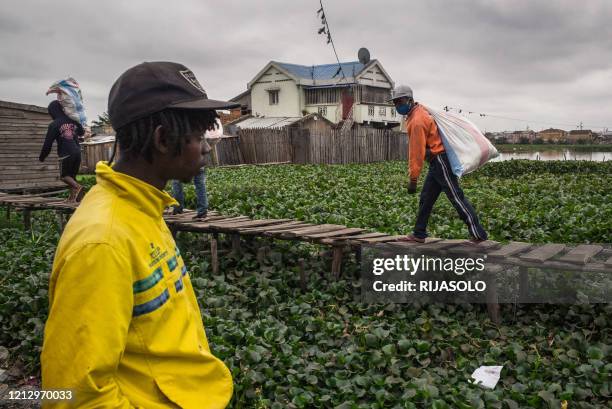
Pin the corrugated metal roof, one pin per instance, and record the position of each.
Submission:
(94, 140)
(324, 71)
(267, 122)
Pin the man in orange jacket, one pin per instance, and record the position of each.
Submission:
(425, 141)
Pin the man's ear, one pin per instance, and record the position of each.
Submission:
(160, 140)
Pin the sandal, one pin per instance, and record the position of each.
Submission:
(79, 193)
(411, 238)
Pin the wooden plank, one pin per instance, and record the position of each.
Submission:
(352, 237)
(201, 224)
(362, 236)
(581, 254)
(356, 236)
(334, 233)
(230, 226)
(190, 219)
(381, 239)
(407, 244)
(482, 247)
(282, 226)
(543, 253)
(212, 223)
(608, 262)
(442, 245)
(321, 228)
(510, 249)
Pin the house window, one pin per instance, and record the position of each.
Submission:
(374, 95)
(273, 94)
(382, 111)
(322, 95)
(393, 112)
(370, 110)
(323, 111)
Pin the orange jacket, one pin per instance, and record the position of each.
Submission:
(422, 134)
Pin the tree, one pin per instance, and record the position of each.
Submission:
(103, 120)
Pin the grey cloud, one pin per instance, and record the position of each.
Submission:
(539, 59)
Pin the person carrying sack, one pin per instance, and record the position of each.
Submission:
(66, 133)
(424, 138)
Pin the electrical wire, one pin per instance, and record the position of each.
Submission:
(325, 29)
(577, 125)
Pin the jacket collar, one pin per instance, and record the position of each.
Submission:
(413, 110)
(139, 194)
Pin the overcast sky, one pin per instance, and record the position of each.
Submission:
(548, 61)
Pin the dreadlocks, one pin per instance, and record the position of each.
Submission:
(136, 139)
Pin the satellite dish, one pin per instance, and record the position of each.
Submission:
(213, 137)
(363, 55)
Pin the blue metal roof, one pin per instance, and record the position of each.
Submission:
(324, 71)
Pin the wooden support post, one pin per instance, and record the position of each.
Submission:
(236, 244)
(261, 255)
(493, 305)
(491, 294)
(213, 253)
(8, 212)
(60, 220)
(523, 284)
(358, 261)
(338, 252)
(27, 218)
(214, 155)
(303, 278)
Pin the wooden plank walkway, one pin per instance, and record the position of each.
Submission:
(587, 258)
(554, 256)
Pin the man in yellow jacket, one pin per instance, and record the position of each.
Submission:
(124, 327)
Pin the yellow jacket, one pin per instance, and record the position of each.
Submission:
(124, 327)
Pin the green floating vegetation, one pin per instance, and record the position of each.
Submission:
(322, 348)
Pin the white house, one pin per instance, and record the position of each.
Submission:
(350, 91)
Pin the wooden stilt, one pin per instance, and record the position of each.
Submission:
(491, 293)
(27, 219)
(358, 261)
(261, 255)
(8, 212)
(60, 220)
(338, 252)
(213, 253)
(236, 244)
(523, 285)
(303, 278)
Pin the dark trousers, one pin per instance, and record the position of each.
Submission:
(439, 179)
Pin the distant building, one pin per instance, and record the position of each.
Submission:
(552, 135)
(104, 129)
(580, 136)
(23, 129)
(229, 116)
(526, 136)
(605, 137)
(350, 91)
(244, 99)
(312, 122)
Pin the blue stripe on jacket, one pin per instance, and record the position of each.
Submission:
(152, 305)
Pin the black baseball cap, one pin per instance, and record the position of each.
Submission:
(151, 87)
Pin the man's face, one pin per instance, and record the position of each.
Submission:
(400, 101)
(191, 159)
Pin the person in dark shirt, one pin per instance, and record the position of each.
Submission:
(66, 133)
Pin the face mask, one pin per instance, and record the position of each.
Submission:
(403, 109)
